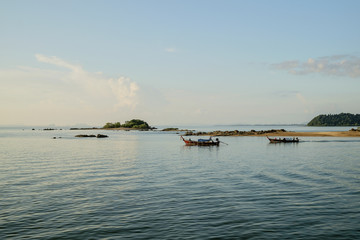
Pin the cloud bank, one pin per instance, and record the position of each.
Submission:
(337, 65)
(123, 89)
(66, 94)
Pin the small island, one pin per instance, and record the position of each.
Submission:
(342, 119)
(134, 124)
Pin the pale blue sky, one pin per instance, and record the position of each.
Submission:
(178, 62)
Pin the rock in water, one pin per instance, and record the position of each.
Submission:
(101, 136)
(92, 136)
(84, 135)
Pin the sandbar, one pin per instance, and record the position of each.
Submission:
(279, 132)
(315, 134)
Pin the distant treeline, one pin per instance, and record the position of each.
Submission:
(342, 119)
(134, 123)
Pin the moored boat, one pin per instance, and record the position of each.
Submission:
(201, 142)
(283, 140)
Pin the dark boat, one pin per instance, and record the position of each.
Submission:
(283, 140)
(201, 142)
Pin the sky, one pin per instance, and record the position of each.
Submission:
(177, 62)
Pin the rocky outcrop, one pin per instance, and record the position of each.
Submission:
(84, 136)
(234, 133)
(93, 128)
(173, 129)
(91, 136)
(101, 136)
(355, 130)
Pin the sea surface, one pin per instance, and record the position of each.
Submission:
(148, 185)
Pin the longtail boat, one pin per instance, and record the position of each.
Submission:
(201, 142)
(283, 140)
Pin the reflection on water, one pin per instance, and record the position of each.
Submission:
(148, 185)
(352, 140)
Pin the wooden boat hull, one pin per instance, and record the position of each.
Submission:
(283, 140)
(200, 143)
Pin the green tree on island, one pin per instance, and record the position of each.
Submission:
(342, 119)
(134, 123)
(112, 125)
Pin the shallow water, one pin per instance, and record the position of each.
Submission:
(148, 185)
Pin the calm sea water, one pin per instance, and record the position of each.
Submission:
(148, 185)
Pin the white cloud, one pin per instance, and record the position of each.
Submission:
(43, 96)
(337, 65)
(170, 50)
(123, 89)
(58, 62)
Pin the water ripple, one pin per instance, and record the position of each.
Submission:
(132, 187)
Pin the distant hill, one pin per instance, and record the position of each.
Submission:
(342, 119)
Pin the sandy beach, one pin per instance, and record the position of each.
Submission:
(314, 134)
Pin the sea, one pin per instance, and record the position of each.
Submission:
(149, 185)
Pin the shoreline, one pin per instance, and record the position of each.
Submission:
(275, 133)
(316, 134)
(236, 133)
(115, 129)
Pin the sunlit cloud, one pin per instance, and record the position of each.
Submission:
(123, 89)
(337, 65)
(170, 50)
(65, 94)
(58, 62)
